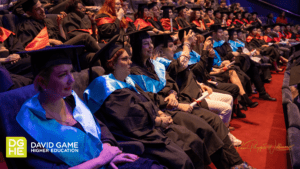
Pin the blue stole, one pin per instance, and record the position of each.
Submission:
(217, 59)
(218, 44)
(236, 44)
(195, 57)
(32, 118)
(100, 88)
(151, 85)
(163, 61)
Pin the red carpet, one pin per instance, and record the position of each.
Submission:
(263, 131)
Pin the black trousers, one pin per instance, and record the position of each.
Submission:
(253, 73)
(226, 88)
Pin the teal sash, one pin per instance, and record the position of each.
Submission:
(163, 61)
(217, 59)
(32, 118)
(194, 57)
(218, 44)
(100, 88)
(236, 44)
(151, 85)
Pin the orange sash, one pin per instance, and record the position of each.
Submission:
(229, 21)
(90, 31)
(142, 23)
(104, 20)
(128, 19)
(249, 38)
(267, 39)
(199, 24)
(236, 20)
(4, 34)
(166, 23)
(210, 23)
(40, 41)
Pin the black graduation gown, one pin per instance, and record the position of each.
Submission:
(72, 22)
(130, 116)
(182, 22)
(208, 126)
(242, 64)
(218, 21)
(156, 24)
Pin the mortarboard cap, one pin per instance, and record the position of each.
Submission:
(152, 5)
(254, 13)
(181, 32)
(162, 39)
(179, 8)
(52, 56)
(142, 6)
(295, 75)
(266, 26)
(207, 34)
(167, 7)
(208, 9)
(26, 4)
(197, 8)
(216, 11)
(216, 27)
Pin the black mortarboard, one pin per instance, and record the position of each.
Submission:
(208, 9)
(266, 26)
(254, 13)
(162, 39)
(250, 28)
(227, 13)
(52, 56)
(216, 11)
(232, 30)
(179, 8)
(206, 34)
(216, 27)
(167, 7)
(134, 35)
(26, 4)
(278, 24)
(295, 75)
(197, 8)
(153, 4)
(142, 6)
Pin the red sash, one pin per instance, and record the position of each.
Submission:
(236, 20)
(165, 22)
(267, 39)
(245, 20)
(104, 20)
(199, 24)
(249, 38)
(210, 23)
(142, 23)
(128, 19)
(288, 35)
(229, 21)
(4, 34)
(40, 41)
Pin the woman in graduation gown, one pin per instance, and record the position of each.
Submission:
(255, 21)
(237, 22)
(165, 20)
(131, 115)
(182, 18)
(154, 17)
(111, 21)
(162, 89)
(209, 17)
(197, 20)
(57, 115)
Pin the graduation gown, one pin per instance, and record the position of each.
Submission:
(166, 23)
(74, 25)
(141, 23)
(200, 24)
(209, 22)
(182, 23)
(237, 23)
(218, 21)
(130, 115)
(212, 133)
(156, 24)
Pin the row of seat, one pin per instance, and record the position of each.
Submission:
(292, 118)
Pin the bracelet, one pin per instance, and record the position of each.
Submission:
(187, 44)
(173, 92)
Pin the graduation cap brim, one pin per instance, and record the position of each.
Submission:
(181, 31)
(162, 39)
(25, 4)
(52, 56)
(254, 13)
(215, 28)
(266, 26)
(140, 31)
(153, 4)
(216, 11)
(278, 24)
(167, 7)
(295, 75)
(142, 5)
(179, 8)
(207, 34)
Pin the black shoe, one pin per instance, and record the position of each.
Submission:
(267, 97)
(247, 102)
(237, 111)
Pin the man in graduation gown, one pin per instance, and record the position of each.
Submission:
(224, 50)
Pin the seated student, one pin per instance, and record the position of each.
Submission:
(56, 114)
(240, 46)
(36, 27)
(281, 18)
(197, 20)
(209, 18)
(238, 22)
(218, 17)
(230, 20)
(224, 51)
(289, 34)
(131, 115)
(154, 16)
(13, 63)
(77, 22)
(166, 16)
(255, 21)
(223, 8)
(162, 89)
(246, 18)
(111, 21)
(182, 18)
(256, 42)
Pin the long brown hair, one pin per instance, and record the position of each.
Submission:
(108, 8)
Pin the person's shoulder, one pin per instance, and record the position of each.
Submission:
(101, 15)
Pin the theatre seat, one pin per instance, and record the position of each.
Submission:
(11, 102)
